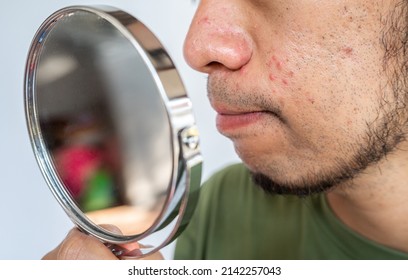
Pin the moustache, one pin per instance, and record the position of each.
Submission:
(232, 99)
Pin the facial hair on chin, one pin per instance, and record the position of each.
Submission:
(382, 138)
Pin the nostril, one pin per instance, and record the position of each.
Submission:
(213, 65)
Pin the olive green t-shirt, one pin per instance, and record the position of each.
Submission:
(237, 220)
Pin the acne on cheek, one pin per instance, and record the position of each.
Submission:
(346, 52)
(309, 98)
(280, 74)
(278, 71)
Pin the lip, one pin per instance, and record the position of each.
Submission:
(227, 122)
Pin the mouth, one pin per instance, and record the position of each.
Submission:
(228, 121)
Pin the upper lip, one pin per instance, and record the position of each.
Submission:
(237, 112)
(230, 110)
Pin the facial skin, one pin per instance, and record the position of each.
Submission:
(308, 91)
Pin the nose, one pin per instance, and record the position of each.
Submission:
(217, 37)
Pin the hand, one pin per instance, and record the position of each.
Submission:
(81, 246)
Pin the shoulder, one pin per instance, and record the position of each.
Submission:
(230, 172)
(227, 185)
(229, 178)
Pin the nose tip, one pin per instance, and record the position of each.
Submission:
(214, 42)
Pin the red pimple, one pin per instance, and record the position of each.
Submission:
(347, 51)
(276, 62)
(311, 100)
(285, 82)
(272, 77)
(271, 62)
(204, 20)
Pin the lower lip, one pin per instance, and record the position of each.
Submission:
(232, 122)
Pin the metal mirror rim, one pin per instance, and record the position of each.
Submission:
(186, 175)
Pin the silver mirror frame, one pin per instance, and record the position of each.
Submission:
(183, 190)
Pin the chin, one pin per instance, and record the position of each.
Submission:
(300, 188)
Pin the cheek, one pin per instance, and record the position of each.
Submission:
(279, 70)
(325, 112)
(337, 86)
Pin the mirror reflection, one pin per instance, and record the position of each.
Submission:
(103, 122)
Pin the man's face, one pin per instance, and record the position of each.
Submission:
(301, 87)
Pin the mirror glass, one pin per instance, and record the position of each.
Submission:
(103, 122)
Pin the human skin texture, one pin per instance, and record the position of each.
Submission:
(299, 86)
(312, 95)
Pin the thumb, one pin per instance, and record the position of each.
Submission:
(120, 249)
(80, 246)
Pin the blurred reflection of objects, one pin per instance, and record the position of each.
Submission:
(86, 163)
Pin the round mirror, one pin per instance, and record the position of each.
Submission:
(112, 127)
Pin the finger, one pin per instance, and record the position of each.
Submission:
(127, 246)
(80, 246)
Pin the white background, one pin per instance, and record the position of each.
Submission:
(31, 221)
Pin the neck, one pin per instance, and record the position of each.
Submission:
(376, 205)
